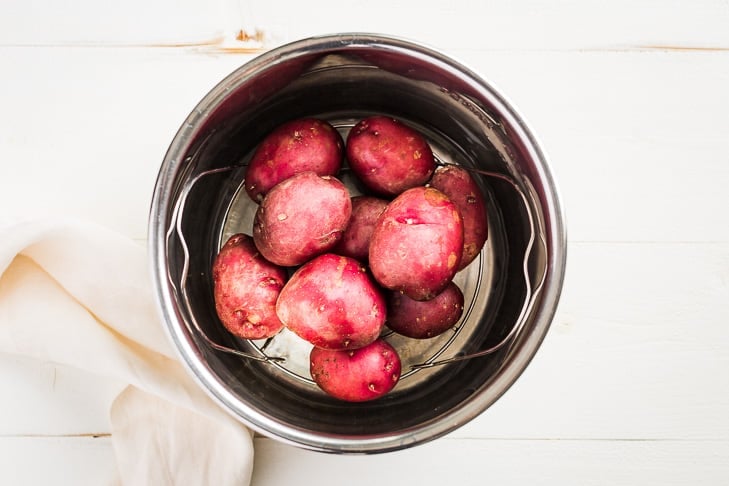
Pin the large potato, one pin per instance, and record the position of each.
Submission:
(417, 244)
(424, 319)
(389, 156)
(355, 241)
(306, 144)
(457, 183)
(358, 375)
(301, 217)
(333, 303)
(245, 289)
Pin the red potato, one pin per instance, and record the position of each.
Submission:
(301, 217)
(389, 156)
(357, 375)
(355, 241)
(306, 144)
(417, 244)
(245, 289)
(424, 319)
(457, 183)
(333, 303)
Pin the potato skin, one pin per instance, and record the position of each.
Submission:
(355, 241)
(457, 183)
(301, 217)
(333, 303)
(424, 319)
(358, 375)
(245, 289)
(389, 156)
(417, 244)
(306, 144)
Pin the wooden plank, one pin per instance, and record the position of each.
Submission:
(638, 350)
(639, 153)
(84, 460)
(89, 128)
(504, 462)
(30, 461)
(89, 22)
(528, 24)
(42, 398)
(636, 140)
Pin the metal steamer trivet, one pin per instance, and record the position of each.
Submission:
(435, 359)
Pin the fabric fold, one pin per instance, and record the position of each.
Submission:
(79, 295)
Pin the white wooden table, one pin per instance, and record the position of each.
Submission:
(631, 102)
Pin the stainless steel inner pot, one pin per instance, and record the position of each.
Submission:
(511, 290)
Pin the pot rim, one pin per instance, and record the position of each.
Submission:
(516, 362)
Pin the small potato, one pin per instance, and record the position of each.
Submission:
(457, 183)
(301, 217)
(389, 156)
(424, 319)
(417, 243)
(245, 289)
(357, 375)
(355, 241)
(306, 144)
(333, 303)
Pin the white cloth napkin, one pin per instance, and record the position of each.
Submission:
(79, 295)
